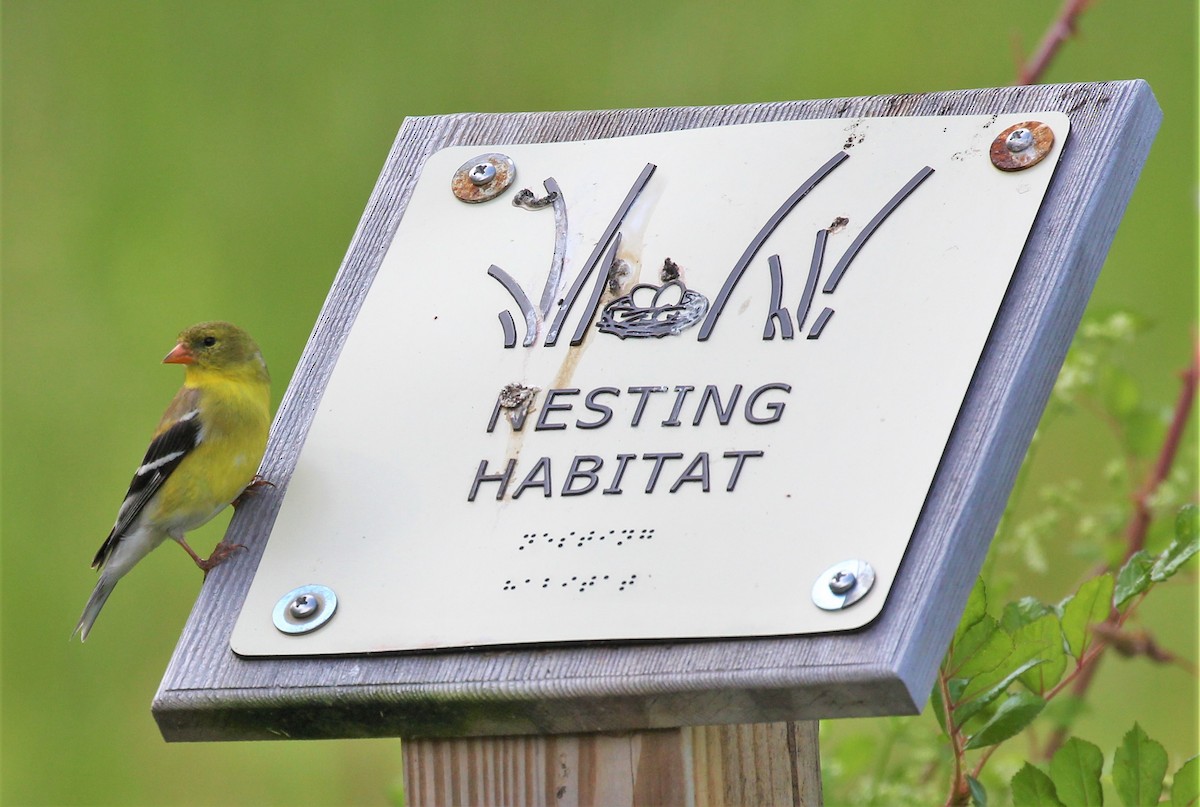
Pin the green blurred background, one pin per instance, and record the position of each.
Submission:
(169, 162)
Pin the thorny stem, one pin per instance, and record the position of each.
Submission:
(1135, 536)
(1062, 29)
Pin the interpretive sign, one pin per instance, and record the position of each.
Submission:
(644, 418)
(659, 395)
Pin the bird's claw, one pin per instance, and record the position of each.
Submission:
(256, 484)
(219, 554)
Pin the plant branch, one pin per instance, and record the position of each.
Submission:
(1086, 663)
(1062, 29)
(1138, 643)
(983, 758)
(1135, 536)
(958, 785)
(1135, 531)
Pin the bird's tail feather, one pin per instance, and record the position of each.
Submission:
(104, 587)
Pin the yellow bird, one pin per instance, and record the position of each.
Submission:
(204, 454)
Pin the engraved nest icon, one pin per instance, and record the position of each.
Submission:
(649, 310)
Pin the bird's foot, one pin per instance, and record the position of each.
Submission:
(219, 554)
(256, 484)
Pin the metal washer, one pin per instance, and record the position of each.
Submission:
(286, 622)
(822, 591)
(1021, 146)
(464, 183)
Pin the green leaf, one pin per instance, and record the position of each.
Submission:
(976, 609)
(1022, 612)
(1032, 788)
(1089, 605)
(1017, 712)
(1044, 634)
(982, 647)
(1181, 550)
(1173, 557)
(1185, 787)
(978, 718)
(1019, 657)
(1138, 769)
(969, 703)
(1134, 577)
(1075, 771)
(938, 705)
(978, 793)
(1187, 523)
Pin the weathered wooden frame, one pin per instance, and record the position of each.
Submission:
(209, 693)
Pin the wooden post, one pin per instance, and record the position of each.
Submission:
(758, 763)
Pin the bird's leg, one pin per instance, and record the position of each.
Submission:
(256, 484)
(220, 552)
(199, 561)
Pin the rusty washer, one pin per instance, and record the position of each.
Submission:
(1022, 145)
(484, 177)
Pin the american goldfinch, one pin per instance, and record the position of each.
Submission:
(204, 454)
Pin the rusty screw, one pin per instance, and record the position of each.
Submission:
(1021, 145)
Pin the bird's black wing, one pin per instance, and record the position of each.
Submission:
(166, 451)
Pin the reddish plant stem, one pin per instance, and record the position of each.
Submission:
(1135, 531)
(958, 785)
(983, 758)
(1062, 29)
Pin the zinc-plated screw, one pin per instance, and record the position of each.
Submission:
(304, 606)
(304, 609)
(482, 173)
(842, 582)
(1019, 140)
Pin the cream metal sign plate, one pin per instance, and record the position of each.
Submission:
(661, 403)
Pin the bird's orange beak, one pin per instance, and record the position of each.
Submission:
(182, 354)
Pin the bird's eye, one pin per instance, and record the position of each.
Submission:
(209, 341)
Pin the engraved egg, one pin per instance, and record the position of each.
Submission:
(643, 295)
(670, 294)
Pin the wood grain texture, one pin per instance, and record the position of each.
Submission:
(764, 764)
(756, 763)
(209, 693)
